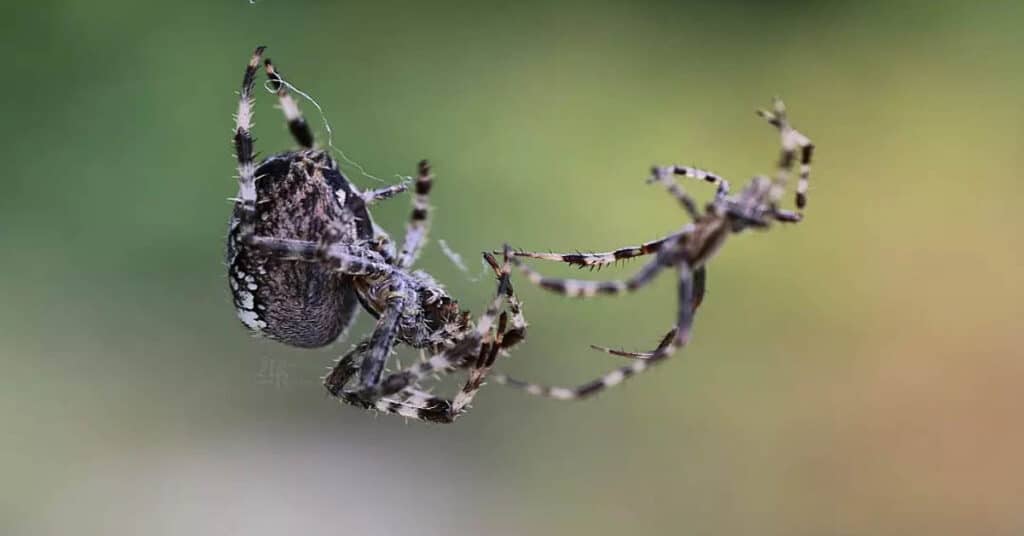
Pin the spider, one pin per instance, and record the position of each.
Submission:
(304, 255)
(687, 251)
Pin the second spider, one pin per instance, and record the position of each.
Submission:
(686, 251)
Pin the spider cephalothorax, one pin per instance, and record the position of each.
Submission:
(304, 256)
(687, 251)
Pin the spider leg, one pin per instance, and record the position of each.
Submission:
(452, 358)
(424, 406)
(414, 404)
(347, 368)
(333, 256)
(665, 175)
(343, 371)
(445, 362)
(792, 142)
(296, 123)
(383, 338)
(665, 350)
(416, 231)
(430, 408)
(577, 288)
(380, 194)
(375, 352)
(444, 411)
(638, 355)
(421, 407)
(246, 204)
(515, 335)
(607, 257)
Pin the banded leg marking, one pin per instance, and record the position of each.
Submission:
(296, 123)
(416, 230)
(578, 288)
(246, 201)
(665, 176)
(598, 260)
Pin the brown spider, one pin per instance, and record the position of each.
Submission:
(687, 250)
(304, 254)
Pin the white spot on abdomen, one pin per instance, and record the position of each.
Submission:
(251, 319)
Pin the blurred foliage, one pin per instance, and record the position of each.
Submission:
(856, 374)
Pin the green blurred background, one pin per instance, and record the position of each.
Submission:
(856, 374)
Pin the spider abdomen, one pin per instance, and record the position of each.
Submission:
(303, 196)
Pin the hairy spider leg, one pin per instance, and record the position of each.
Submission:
(347, 367)
(478, 350)
(477, 373)
(384, 335)
(579, 288)
(446, 361)
(296, 123)
(244, 150)
(332, 256)
(502, 340)
(344, 370)
(424, 406)
(413, 403)
(597, 260)
(665, 340)
(416, 230)
(517, 333)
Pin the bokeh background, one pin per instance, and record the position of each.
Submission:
(857, 374)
